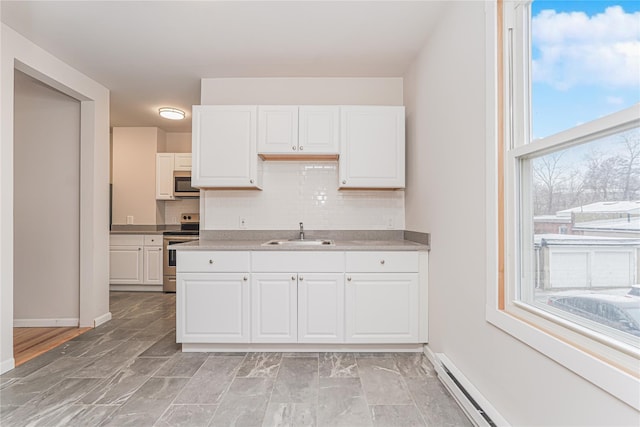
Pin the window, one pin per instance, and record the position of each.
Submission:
(571, 174)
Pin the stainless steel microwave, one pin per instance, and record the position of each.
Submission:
(182, 185)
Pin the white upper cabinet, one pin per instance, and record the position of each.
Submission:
(298, 131)
(319, 131)
(164, 176)
(372, 147)
(224, 147)
(182, 162)
(277, 129)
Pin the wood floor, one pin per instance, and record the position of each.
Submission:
(31, 342)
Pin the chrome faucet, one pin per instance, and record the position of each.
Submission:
(301, 231)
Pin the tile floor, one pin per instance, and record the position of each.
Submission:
(130, 372)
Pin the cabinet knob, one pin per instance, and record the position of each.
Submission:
(348, 279)
(250, 181)
(293, 277)
(382, 262)
(344, 181)
(301, 278)
(301, 148)
(245, 278)
(160, 249)
(139, 249)
(210, 261)
(293, 148)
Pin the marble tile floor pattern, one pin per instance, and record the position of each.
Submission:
(131, 372)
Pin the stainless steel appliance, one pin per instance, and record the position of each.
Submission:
(182, 185)
(189, 231)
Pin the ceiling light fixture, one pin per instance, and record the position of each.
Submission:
(171, 113)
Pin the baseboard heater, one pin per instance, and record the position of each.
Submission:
(477, 408)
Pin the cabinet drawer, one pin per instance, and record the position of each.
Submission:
(126, 240)
(153, 240)
(382, 262)
(298, 261)
(212, 261)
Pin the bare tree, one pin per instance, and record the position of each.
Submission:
(548, 174)
(629, 165)
(601, 175)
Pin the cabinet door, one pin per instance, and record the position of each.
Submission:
(164, 176)
(319, 131)
(224, 147)
(125, 265)
(320, 308)
(182, 162)
(372, 147)
(152, 265)
(274, 310)
(382, 308)
(277, 129)
(212, 307)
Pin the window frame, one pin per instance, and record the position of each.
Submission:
(605, 362)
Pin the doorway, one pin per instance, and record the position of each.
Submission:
(46, 206)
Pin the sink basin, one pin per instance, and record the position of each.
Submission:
(298, 242)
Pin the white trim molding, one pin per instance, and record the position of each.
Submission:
(46, 323)
(102, 319)
(7, 365)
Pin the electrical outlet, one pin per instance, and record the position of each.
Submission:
(129, 219)
(242, 222)
(390, 222)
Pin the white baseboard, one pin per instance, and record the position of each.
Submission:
(473, 403)
(7, 365)
(46, 323)
(136, 288)
(299, 348)
(102, 319)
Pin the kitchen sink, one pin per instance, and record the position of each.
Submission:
(298, 242)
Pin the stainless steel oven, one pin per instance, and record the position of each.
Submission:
(189, 231)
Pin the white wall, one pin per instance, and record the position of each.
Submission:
(178, 142)
(18, 52)
(292, 189)
(46, 205)
(134, 175)
(302, 90)
(446, 106)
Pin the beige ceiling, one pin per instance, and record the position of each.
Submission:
(154, 53)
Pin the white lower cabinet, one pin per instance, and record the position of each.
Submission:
(212, 297)
(297, 296)
(297, 307)
(274, 307)
(212, 307)
(382, 308)
(382, 297)
(126, 265)
(153, 260)
(321, 308)
(135, 259)
(288, 297)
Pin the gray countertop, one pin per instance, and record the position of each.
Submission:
(245, 240)
(340, 245)
(142, 229)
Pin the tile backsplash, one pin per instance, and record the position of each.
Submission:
(302, 191)
(173, 209)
